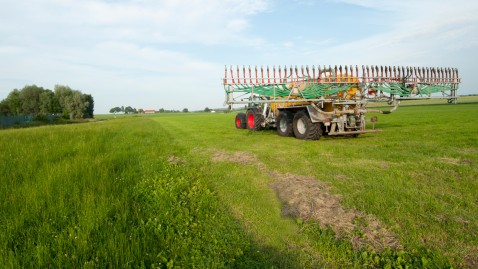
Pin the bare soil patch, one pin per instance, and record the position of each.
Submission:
(456, 161)
(310, 199)
(235, 157)
(471, 260)
(175, 160)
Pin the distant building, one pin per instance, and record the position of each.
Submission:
(149, 111)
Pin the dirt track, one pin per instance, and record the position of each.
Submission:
(310, 199)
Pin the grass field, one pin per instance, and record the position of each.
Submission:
(190, 190)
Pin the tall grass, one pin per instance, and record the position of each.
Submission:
(104, 195)
(144, 192)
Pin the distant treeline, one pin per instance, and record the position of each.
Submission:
(126, 110)
(37, 102)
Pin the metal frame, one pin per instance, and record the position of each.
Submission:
(344, 91)
(325, 84)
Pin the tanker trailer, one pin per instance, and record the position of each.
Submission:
(311, 102)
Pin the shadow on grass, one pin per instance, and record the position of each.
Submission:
(259, 256)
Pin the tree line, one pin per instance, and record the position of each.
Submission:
(131, 110)
(185, 110)
(37, 102)
(126, 110)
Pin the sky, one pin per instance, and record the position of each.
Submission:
(171, 54)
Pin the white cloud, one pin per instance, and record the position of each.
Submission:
(429, 30)
(423, 33)
(152, 54)
(117, 49)
(169, 21)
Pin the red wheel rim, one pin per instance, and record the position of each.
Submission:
(238, 122)
(250, 120)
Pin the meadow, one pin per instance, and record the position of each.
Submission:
(189, 190)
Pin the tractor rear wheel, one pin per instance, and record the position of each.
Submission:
(240, 120)
(254, 120)
(304, 128)
(284, 123)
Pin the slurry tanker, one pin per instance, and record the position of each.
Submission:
(310, 102)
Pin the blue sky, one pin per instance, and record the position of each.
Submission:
(171, 54)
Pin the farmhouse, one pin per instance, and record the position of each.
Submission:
(149, 111)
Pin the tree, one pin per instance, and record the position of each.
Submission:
(115, 110)
(76, 105)
(4, 108)
(207, 109)
(63, 95)
(73, 104)
(35, 101)
(46, 103)
(128, 110)
(14, 102)
(30, 98)
(89, 106)
(141, 111)
(161, 110)
(185, 110)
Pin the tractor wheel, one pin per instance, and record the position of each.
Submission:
(304, 128)
(240, 120)
(284, 123)
(254, 120)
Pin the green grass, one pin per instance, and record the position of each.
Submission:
(103, 195)
(144, 191)
(418, 176)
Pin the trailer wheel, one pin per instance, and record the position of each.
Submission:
(240, 120)
(304, 128)
(254, 120)
(284, 123)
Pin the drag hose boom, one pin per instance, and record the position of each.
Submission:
(311, 102)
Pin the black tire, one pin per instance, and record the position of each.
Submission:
(284, 123)
(240, 120)
(254, 120)
(304, 128)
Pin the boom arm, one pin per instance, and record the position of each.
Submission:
(374, 83)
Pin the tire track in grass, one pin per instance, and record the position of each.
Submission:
(309, 199)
